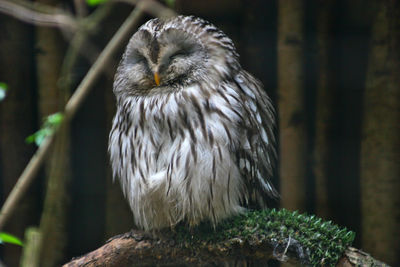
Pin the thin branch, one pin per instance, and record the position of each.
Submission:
(43, 15)
(24, 181)
(40, 15)
(81, 45)
(71, 107)
(81, 8)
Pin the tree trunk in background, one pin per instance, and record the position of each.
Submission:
(53, 224)
(52, 98)
(17, 121)
(325, 108)
(380, 147)
(292, 124)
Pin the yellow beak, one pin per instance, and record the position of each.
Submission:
(157, 78)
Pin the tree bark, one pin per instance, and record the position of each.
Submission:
(291, 104)
(380, 147)
(325, 109)
(137, 248)
(17, 121)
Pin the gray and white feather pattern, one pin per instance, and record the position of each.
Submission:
(192, 138)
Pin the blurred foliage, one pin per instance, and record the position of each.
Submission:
(10, 239)
(3, 90)
(50, 124)
(95, 2)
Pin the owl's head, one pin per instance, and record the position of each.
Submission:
(164, 56)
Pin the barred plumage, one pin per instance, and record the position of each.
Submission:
(192, 138)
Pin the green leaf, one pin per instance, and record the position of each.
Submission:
(50, 124)
(7, 238)
(3, 90)
(55, 119)
(95, 2)
(39, 136)
(30, 139)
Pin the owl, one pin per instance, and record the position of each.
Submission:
(193, 135)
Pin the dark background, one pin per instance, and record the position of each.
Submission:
(331, 68)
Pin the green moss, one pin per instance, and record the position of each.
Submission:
(318, 242)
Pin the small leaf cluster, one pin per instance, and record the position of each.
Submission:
(50, 124)
(322, 242)
(7, 238)
(3, 90)
(95, 2)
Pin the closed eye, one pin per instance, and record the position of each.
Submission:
(136, 58)
(179, 53)
(140, 59)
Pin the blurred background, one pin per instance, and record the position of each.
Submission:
(332, 69)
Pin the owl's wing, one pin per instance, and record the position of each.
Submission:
(256, 154)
